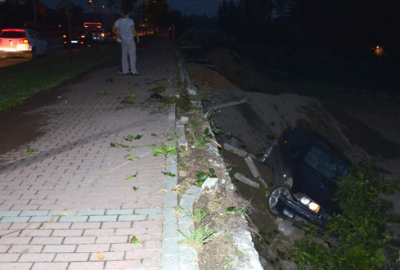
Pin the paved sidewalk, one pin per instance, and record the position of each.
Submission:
(68, 205)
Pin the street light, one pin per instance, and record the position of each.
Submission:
(95, 20)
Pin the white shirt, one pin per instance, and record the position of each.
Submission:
(124, 28)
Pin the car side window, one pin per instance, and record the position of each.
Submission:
(33, 34)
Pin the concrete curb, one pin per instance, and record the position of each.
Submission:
(188, 256)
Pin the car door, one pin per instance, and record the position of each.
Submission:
(33, 42)
(39, 43)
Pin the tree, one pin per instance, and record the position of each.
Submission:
(246, 19)
(65, 6)
(360, 229)
(128, 4)
(155, 10)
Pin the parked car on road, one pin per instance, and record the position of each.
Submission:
(21, 43)
(305, 168)
(80, 37)
(99, 35)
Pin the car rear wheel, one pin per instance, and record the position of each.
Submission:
(273, 199)
(32, 54)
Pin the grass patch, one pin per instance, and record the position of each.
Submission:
(22, 81)
(158, 89)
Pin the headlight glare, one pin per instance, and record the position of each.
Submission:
(314, 207)
(305, 200)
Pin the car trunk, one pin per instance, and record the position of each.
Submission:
(10, 39)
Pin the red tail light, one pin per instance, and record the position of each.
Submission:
(24, 41)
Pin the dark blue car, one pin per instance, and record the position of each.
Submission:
(305, 168)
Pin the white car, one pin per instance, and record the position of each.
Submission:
(21, 42)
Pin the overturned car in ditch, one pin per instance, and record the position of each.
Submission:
(305, 168)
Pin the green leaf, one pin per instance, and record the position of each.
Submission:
(135, 188)
(134, 240)
(168, 174)
(129, 138)
(113, 144)
(153, 135)
(131, 157)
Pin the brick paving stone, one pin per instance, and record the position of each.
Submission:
(25, 233)
(15, 240)
(108, 256)
(142, 254)
(151, 264)
(79, 240)
(107, 225)
(71, 257)
(130, 231)
(59, 248)
(69, 232)
(9, 232)
(88, 225)
(120, 265)
(36, 257)
(4, 248)
(9, 257)
(52, 266)
(25, 249)
(19, 266)
(111, 239)
(99, 232)
(94, 247)
(87, 266)
(77, 172)
(126, 247)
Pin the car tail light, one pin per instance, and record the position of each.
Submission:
(102, 34)
(64, 36)
(83, 36)
(65, 42)
(24, 41)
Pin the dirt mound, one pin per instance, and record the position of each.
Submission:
(209, 77)
(230, 65)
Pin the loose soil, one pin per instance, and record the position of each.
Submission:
(255, 124)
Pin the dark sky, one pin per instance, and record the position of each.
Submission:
(186, 7)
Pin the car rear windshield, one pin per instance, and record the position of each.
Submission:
(12, 34)
(323, 163)
(97, 31)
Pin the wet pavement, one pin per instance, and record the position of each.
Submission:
(77, 202)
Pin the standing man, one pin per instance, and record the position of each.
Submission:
(125, 31)
(119, 45)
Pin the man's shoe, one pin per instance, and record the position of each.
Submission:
(135, 74)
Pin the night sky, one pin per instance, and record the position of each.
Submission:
(186, 7)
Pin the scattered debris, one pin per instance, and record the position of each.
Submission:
(246, 180)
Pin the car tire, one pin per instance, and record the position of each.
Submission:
(273, 199)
